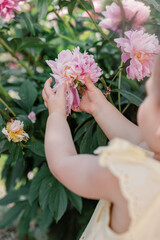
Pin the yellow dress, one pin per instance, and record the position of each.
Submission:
(139, 177)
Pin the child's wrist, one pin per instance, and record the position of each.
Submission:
(98, 107)
(52, 113)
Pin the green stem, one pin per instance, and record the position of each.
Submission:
(65, 23)
(126, 107)
(110, 99)
(96, 25)
(4, 115)
(104, 83)
(5, 45)
(105, 87)
(64, 37)
(4, 93)
(119, 86)
(113, 79)
(123, 16)
(5, 104)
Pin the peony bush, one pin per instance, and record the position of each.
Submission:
(115, 43)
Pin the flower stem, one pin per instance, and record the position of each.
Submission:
(65, 23)
(65, 37)
(123, 16)
(4, 93)
(96, 25)
(113, 79)
(4, 115)
(127, 106)
(5, 104)
(119, 86)
(105, 87)
(5, 45)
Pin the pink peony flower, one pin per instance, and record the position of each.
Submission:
(14, 131)
(132, 8)
(71, 68)
(7, 8)
(141, 49)
(32, 117)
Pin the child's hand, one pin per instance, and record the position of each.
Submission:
(55, 102)
(92, 98)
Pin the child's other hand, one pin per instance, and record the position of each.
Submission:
(55, 102)
(91, 100)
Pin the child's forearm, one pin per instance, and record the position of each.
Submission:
(58, 140)
(114, 124)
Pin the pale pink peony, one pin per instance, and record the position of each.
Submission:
(7, 8)
(32, 117)
(14, 131)
(141, 49)
(132, 8)
(71, 68)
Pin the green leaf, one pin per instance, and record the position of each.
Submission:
(37, 148)
(15, 151)
(58, 201)
(24, 221)
(45, 219)
(87, 4)
(42, 7)
(12, 214)
(75, 200)
(28, 214)
(154, 3)
(13, 196)
(36, 183)
(27, 122)
(71, 6)
(33, 42)
(3, 145)
(28, 95)
(17, 171)
(45, 189)
(85, 146)
(27, 19)
(101, 137)
(1, 121)
(92, 5)
(39, 108)
(82, 129)
(132, 98)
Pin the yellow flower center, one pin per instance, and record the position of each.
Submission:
(14, 134)
(141, 56)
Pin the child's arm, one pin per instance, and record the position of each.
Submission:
(111, 121)
(82, 174)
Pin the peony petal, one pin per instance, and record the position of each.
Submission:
(76, 99)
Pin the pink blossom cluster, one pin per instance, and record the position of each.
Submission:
(71, 68)
(7, 8)
(134, 10)
(141, 49)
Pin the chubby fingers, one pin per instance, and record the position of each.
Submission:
(61, 91)
(44, 95)
(45, 98)
(47, 87)
(75, 109)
